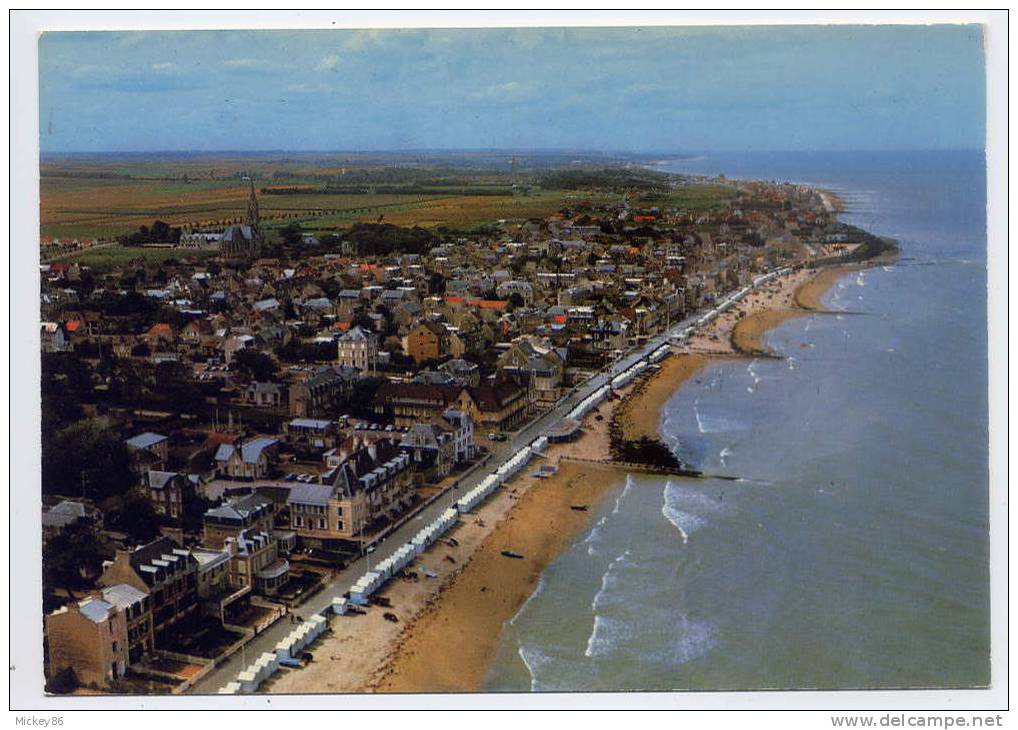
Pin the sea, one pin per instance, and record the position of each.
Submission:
(852, 548)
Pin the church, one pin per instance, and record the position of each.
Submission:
(236, 241)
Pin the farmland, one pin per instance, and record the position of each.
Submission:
(89, 197)
(104, 259)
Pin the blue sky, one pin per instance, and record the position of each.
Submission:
(649, 89)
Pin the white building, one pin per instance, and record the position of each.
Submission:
(358, 349)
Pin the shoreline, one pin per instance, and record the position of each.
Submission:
(454, 622)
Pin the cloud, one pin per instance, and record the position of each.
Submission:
(508, 90)
(91, 69)
(245, 63)
(164, 66)
(328, 63)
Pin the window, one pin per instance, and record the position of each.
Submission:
(321, 524)
(339, 525)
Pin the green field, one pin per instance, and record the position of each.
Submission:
(103, 260)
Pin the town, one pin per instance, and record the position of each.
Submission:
(237, 411)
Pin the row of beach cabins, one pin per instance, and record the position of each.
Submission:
(288, 651)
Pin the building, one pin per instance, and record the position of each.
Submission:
(410, 403)
(462, 428)
(255, 562)
(543, 366)
(137, 610)
(358, 349)
(54, 339)
(524, 289)
(227, 521)
(427, 340)
(66, 514)
(217, 596)
(90, 637)
(320, 394)
(265, 394)
(250, 460)
(371, 484)
(153, 443)
(169, 492)
(432, 450)
(311, 432)
(501, 404)
(462, 371)
(163, 571)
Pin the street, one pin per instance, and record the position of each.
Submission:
(321, 601)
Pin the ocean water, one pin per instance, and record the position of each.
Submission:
(853, 550)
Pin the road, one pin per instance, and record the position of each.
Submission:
(267, 640)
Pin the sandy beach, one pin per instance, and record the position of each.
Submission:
(449, 625)
(640, 414)
(808, 295)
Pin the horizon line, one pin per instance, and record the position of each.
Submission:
(505, 150)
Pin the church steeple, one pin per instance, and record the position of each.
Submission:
(252, 207)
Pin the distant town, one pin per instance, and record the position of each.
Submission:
(242, 398)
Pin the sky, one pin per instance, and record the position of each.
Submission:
(672, 90)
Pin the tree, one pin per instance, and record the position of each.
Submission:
(133, 514)
(86, 459)
(362, 395)
(291, 234)
(255, 365)
(194, 513)
(436, 284)
(73, 558)
(516, 300)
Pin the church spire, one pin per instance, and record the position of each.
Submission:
(252, 207)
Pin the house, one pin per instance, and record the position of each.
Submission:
(159, 336)
(265, 394)
(166, 573)
(89, 637)
(432, 450)
(358, 349)
(524, 289)
(311, 432)
(255, 562)
(234, 344)
(252, 512)
(463, 371)
(372, 483)
(250, 460)
(66, 514)
(218, 597)
(321, 393)
(544, 366)
(151, 442)
(410, 403)
(169, 492)
(148, 451)
(54, 338)
(500, 404)
(427, 340)
(462, 428)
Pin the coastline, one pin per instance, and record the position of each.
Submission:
(451, 624)
(808, 296)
